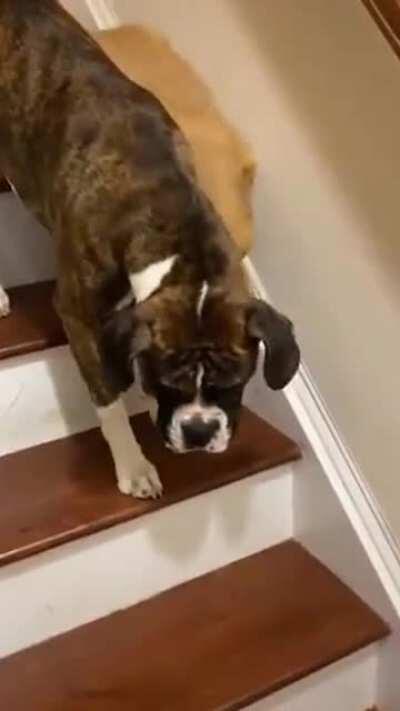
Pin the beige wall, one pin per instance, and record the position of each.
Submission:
(317, 91)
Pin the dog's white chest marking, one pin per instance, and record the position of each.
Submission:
(146, 282)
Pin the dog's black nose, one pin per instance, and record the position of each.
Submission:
(198, 433)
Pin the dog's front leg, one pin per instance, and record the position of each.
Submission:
(135, 474)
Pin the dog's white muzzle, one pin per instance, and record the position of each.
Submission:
(197, 426)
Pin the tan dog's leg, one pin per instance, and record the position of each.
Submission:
(4, 303)
(135, 474)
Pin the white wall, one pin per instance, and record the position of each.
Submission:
(315, 88)
(26, 250)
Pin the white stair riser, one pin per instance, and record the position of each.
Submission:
(42, 398)
(347, 685)
(82, 581)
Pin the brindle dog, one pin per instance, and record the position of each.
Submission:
(147, 271)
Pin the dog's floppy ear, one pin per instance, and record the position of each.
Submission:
(282, 354)
(124, 336)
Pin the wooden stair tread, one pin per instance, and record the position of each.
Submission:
(66, 489)
(33, 324)
(221, 641)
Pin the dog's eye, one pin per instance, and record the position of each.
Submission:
(222, 382)
(179, 375)
(222, 378)
(229, 397)
(222, 369)
(182, 380)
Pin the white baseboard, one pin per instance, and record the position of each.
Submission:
(341, 469)
(43, 398)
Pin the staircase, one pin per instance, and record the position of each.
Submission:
(200, 601)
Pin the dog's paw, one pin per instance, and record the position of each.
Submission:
(142, 483)
(4, 303)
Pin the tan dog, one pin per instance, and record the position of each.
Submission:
(223, 162)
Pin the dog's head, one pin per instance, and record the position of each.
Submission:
(196, 365)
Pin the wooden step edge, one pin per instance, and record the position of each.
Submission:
(33, 324)
(222, 641)
(64, 490)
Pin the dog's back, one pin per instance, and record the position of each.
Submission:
(69, 118)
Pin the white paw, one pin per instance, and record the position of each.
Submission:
(143, 482)
(4, 303)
